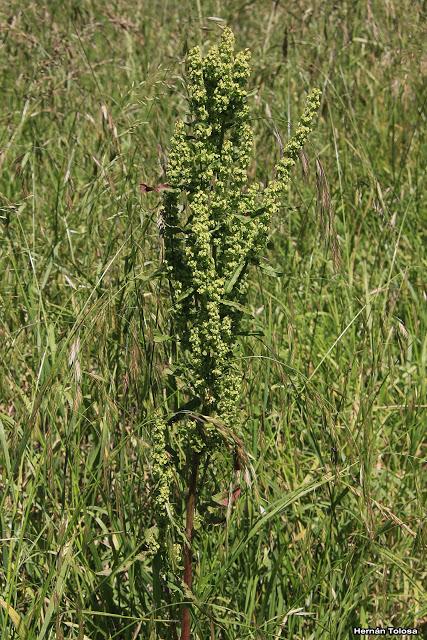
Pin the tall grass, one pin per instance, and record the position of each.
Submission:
(332, 532)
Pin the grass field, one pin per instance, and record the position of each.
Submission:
(332, 532)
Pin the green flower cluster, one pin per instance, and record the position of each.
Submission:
(216, 224)
(162, 470)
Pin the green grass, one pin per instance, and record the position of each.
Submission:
(332, 532)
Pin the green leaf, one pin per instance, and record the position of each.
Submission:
(232, 281)
(185, 294)
(4, 446)
(160, 337)
(239, 307)
(270, 271)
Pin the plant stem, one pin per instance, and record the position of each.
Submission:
(187, 550)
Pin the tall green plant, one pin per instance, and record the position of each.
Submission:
(215, 225)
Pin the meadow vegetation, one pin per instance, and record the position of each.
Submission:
(328, 530)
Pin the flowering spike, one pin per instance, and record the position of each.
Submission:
(214, 225)
(215, 222)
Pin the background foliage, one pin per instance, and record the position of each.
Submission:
(332, 531)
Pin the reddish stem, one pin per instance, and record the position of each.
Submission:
(187, 551)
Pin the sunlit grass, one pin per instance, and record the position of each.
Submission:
(332, 531)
